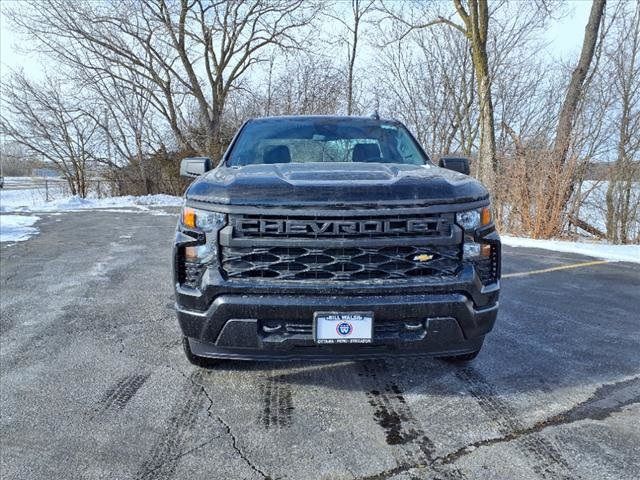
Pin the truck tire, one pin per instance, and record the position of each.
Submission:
(197, 360)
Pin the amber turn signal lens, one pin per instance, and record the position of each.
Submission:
(485, 250)
(485, 216)
(189, 217)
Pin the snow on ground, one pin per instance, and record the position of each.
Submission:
(27, 194)
(22, 194)
(17, 228)
(621, 253)
(70, 204)
(12, 200)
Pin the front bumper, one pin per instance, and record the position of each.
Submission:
(280, 326)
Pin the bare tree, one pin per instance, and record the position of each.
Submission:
(562, 168)
(427, 80)
(15, 160)
(622, 201)
(187, 50)
(359, 9)
(575, 88)
(47, 123)
(305, 84)
(127, 123)
(475, 17)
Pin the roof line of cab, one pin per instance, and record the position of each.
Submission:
(371, 119)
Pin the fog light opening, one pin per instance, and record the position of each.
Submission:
(191, 254)
(476, 250)
(198, 253)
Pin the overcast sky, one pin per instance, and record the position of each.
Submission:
(564, 37)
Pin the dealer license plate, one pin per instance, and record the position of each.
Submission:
(343, 327)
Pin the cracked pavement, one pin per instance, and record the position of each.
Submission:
(94, 385)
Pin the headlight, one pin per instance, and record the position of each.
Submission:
(472, 219)
(469, 220)
(202, 219)
(208, 222)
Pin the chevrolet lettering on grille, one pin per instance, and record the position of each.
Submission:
(334, 227)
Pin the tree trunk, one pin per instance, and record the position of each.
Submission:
(352, 54)
(611, 211)
(476, 22)
(574, 91)
(72, 185)
(214, 142)
(487, 163)
(625, 218)
(141, 167)
(586, 227)
(352, 58)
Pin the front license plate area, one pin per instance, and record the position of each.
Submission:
(343, 327)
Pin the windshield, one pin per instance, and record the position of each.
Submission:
(326, 140)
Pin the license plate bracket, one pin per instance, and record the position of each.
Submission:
(343, 327)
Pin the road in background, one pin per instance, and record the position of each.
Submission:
(94, 383)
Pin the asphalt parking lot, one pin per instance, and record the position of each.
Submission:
(94, 385)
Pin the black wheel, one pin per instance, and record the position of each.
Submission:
(467, 357)
(197, 360)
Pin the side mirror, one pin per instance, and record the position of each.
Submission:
(194, 166)
(457, 164)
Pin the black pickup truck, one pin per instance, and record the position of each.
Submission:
(333, 237)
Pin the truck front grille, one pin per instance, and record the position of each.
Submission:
(340, 264)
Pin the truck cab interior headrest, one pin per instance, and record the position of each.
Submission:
(366, 152)
(276, 154)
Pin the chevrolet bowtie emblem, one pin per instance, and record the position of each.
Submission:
(423, 257)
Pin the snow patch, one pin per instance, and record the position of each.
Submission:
(616, 253)
(29, 201)
(141, 203)
(17, 228)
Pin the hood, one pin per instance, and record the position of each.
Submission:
(298, 184)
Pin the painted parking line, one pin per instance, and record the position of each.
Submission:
(555, 269)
